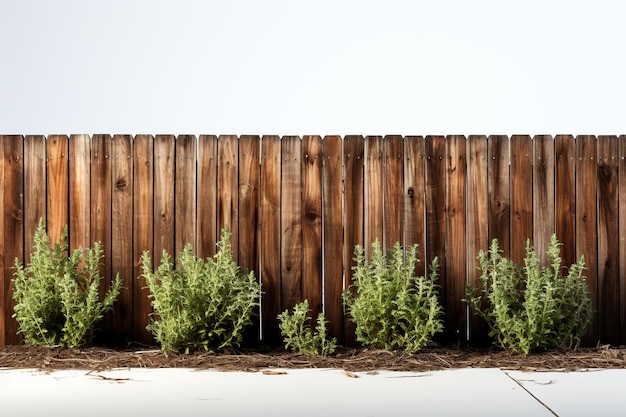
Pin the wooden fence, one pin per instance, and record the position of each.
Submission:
(296, 208)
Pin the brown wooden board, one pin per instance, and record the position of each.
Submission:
(544, 210)
(521, 195)
(185, 193)
(101, 217)
(586, 232)
(5, 314)
(228, 189)
(435, 152)
(270, 236)
(498, 174)
(374, 192)
(80, 191)
(565, 196)
(414, 190)
(249, 186)
(456, 238)
(353, 157)
(34, 189)
(608, 240)
(122, 234)
(57, 174)
(477, 225)
(207, 196)
(312, 159)
(622, 239)
(163, 197)
(333, 235)
(143, 208)
(393, 190)
(12, 230)
(291, 223)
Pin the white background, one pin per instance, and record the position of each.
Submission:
(313, 67)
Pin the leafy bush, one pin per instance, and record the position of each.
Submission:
(300, 337)
(201, 303)
(392, 308)
(530, 307)
(57, 294)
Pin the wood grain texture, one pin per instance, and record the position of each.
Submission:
(5, 313)
(164, 157)
(270, 236)
(393, 190)
(143, 218)
(521, 195)
(333, 234)
(207, 196)
(101, 217)
(122, 234)
(228, 189)
(456, 238)
(354, 165)
(57, 174)
(414, 191)
(80, 191)
(34, 189)
(622, 239)
(185, 193)
(544, 209)
(565, 196)
(477, 224)
(312, 160)
(586, 214)
(291, 222)
(12, 229)
(374, 181)
(499, 206)
(608, 240)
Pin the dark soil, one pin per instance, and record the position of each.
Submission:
(98, 358)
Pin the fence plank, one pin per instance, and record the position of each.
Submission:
(207, 196)
(414, 208)
(521, 195)
(101, 216)
(12, 229)
(565, 196)
(393, 189)
(586, 232)
(291, 222)
(608, 240)
(435, 147)
(499, 209)
(5, 313)
(312, 222)
(622, 239)
(374, 192)
(333, 235)
(477, 224)
(270, 236)
(122, 234)
(143, 218)
(164, 158)
(80, 191)
(57, 175)
(34, 189)
(456, 237)
(354, 163)
(543, 194)
(228, 188)
(185, 193)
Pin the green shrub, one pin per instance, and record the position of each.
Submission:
(392, 308)
(200, 303)
(529, 307)
(300, 337)
(57, 294)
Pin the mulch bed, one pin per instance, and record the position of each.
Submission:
(356, 360)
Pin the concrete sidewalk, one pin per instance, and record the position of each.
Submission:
(311, 392)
